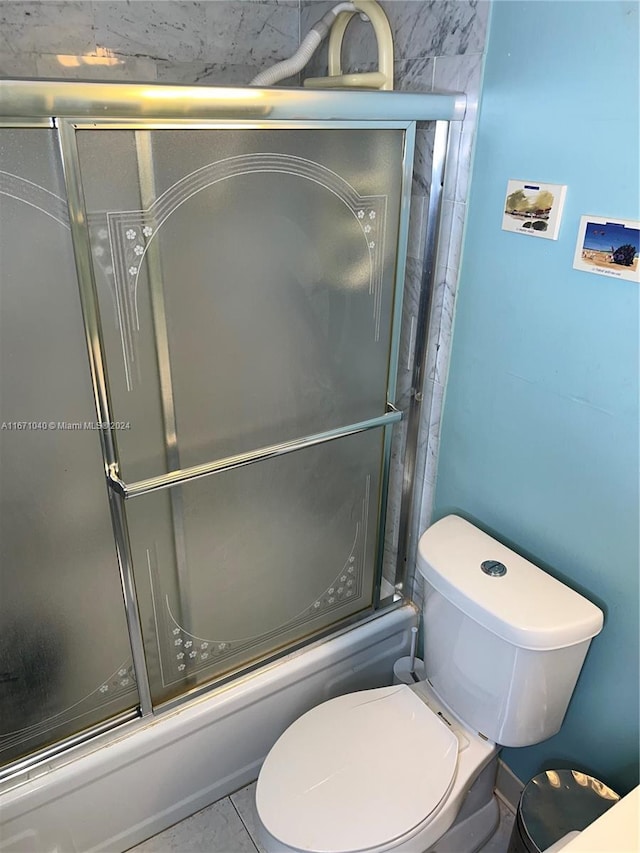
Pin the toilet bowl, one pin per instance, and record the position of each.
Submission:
(363, 797)
(504, 644)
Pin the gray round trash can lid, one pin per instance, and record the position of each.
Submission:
(559, 801)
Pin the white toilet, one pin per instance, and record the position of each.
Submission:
(411, 769)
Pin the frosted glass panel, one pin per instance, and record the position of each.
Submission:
(246, 283)
(64, 650)
(275, 552)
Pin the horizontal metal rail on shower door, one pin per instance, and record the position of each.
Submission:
(77, 99)
(229, 463)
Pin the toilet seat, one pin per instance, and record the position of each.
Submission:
(331, 783)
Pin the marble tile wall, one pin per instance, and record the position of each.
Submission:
(222, 41)
(459, 71)
(439, 46)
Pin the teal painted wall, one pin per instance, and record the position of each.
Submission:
(540, 432)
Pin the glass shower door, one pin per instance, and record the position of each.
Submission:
(65, 658)
(246, 284)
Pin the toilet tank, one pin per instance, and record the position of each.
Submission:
(503, 649)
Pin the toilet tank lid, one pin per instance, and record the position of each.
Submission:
(525, 606)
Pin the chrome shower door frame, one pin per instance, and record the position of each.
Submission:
(70, 107)
(120, 492)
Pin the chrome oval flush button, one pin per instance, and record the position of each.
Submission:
(493, 568)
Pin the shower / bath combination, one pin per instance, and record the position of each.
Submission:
(202, 319)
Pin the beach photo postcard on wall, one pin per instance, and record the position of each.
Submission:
(533, 209)
(609, 247)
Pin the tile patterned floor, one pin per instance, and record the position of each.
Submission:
(499, 842)
(229, 826)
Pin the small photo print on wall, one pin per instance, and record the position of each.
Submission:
(533, 209)
(609, 247)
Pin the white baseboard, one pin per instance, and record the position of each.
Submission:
(508, 787)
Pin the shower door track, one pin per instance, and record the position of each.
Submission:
(71, 106)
